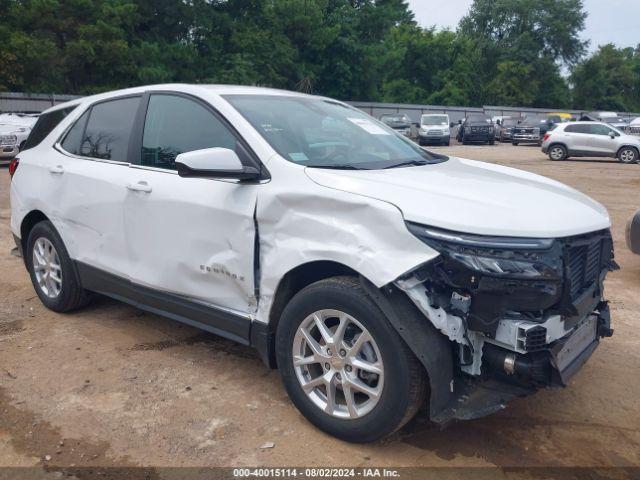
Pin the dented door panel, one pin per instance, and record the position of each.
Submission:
(193, 237)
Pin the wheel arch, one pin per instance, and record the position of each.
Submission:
(627, 145)
(28, 222)
(299, 277)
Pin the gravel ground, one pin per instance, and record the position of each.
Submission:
(112, 386)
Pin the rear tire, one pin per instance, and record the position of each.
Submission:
(515, 144)
(400, 385)
(557, 153)
(53, 274)
(628, 155)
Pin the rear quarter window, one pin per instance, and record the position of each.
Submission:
(45, 124)
(103, 132)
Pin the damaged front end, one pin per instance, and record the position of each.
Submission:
(524, 313)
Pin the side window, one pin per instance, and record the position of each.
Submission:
(577, 128)
(108, 129)
(45, 124)
(73, 140)
(176, 125)
(600, 130)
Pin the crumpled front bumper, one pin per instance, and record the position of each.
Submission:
(503, 371)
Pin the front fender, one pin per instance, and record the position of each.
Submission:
(300, 222)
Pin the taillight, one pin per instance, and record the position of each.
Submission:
(13, 166)
(546, 137)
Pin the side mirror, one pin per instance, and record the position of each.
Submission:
(613, 135)
(452, 124)
(214, 163)
(459, 122)
(498, 122)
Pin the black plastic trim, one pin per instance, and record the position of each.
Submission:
(205, 317)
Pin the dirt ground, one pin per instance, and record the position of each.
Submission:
(114, 386)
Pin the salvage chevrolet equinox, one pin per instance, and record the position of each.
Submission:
(376, 276)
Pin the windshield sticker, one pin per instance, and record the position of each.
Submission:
(368, 126)
(298, 157)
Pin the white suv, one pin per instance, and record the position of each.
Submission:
(590, 139)
(375, 275)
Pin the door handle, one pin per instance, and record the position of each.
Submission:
(57, 170)
(141, 186)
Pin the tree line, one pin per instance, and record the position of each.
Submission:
(504, 52)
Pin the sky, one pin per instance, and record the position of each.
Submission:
(609, 21)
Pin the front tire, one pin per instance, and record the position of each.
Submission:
(628, 155)
(344, 366)
(53, 274)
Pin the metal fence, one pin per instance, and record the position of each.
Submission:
(36, 103)
(30, 102)
(414, 112)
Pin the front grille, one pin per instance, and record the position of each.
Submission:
(584, 261)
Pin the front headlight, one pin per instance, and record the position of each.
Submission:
(8, 139)
(512, 257)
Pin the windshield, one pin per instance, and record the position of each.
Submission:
(441, 120)
(316, 132)
(478, 119)
(394, 119)
(509, 122)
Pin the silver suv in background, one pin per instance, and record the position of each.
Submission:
(590, 139)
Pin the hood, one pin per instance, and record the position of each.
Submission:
(475, 197)
(398, 124)
(9, 129)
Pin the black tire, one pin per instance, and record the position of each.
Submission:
(448, 143)
(72, 296)
(405, 383)
(515, 144)
(628, 155)
(558, 153)
(421, 143)
(492, 142)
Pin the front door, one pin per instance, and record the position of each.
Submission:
(601, 141)
(193, 237)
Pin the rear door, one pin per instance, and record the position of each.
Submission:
(576, 137)
(192, 237)
(94, 166)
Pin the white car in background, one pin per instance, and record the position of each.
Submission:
(377, 276)
(434, 129)
(14, 131)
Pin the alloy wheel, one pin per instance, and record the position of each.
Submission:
(338, 364)
(628, 155)
(47, 268)
(556, 153)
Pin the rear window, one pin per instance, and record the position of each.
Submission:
(45, 124)
(104, 131)
(578, 128)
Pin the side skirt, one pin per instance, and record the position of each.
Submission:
(205, 317)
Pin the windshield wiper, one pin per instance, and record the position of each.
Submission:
(345, 166)
(416, 163)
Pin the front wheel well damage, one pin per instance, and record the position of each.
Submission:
(291, 283)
